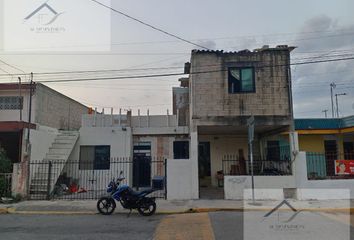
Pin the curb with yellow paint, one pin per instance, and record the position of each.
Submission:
(191, 210)
(3, 211)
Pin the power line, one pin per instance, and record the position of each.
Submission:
(7, 64)
(149, 25)
(151, 68)
(192, 73)
(197, 39)
(8, 73)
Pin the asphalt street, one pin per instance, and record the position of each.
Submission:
(88, 227)
(215, 225)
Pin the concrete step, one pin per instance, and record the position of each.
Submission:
(66, 141)
(69, 145)
(43, 189)
(68, 132)
(40, 196)
(64, 137)
(38, 192)
(60, 151)
(52, 156)
(44, 174)
(40, 184)
(40, 180)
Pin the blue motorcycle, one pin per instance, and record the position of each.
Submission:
(128, 198)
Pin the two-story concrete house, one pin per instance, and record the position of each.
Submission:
(31, 117)
(225, 89)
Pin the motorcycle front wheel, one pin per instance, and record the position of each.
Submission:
(147, 208)
(106, 205)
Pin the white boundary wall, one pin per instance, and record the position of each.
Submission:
(180, 180)
(266, 187)
(306, 187)
(234, 186)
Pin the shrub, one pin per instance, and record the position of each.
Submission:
(5, 162)
(5, 167)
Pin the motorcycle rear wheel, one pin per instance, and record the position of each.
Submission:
(147, 208)
(106, 205)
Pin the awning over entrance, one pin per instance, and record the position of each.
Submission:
(11, 136)
(14, 126)
(241, 130)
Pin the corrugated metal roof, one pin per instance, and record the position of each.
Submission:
(324, 123)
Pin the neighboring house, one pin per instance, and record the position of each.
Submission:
(50, 109)
(325, 140)
(51, 112)
(138, 145)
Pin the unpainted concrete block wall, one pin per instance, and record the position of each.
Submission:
(56, 110)
(209, 91)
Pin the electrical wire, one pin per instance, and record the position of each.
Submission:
(192, 73)
(7, 64)
(149, 25)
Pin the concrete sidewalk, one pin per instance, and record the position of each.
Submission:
(173, 207)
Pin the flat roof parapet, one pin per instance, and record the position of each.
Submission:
(245, 51)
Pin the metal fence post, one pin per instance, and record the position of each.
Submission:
(137, 174)
(48, 180)
(165, 183)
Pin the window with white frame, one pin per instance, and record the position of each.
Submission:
(94, 157)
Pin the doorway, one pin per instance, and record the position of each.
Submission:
(142, 165)
(206, 188)
(204, 164)
(331, 155)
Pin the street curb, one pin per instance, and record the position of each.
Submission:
(3, 211)
(336, 210)
(191, 210)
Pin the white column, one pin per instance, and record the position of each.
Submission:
(168, 118)
(294, 150)
(111, 117)
(95, 118)
(120, 117)
(194, 158)
(148, 118)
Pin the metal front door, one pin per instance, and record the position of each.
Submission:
(142, 165)
(204, 159)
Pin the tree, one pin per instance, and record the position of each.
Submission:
(5, 167)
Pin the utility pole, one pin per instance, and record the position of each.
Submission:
(20, 99)
(28, 147)
(333, 86)
(29, 112)
(325, 112)
(339, 94)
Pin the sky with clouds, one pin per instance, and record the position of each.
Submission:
(320, 30)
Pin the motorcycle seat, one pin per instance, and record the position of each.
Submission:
(144, 192)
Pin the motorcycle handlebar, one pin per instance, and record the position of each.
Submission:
(120, 179)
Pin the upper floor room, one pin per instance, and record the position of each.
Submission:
(244, 83)
(46, 106)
